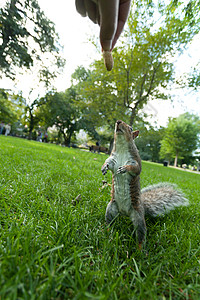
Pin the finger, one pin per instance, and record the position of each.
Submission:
(80, 7)
(92, 10)
(124, 9)
(108, 22)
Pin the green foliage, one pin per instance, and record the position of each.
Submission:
(180, 137)
(98, 101)
(98, 105)
(148, 143)
(51, 249)
(26, 35)
(60, 109)
(190, 10)
(155, 32)
(64, 111)
(11, 107)
(6, 107)
(194, 78)
(31, 118)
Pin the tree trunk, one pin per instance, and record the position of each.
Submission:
(134, 111)
(31, 124)
(67, 138)
(30, 135)
(67, 141)
(132, 118)
(176, 160)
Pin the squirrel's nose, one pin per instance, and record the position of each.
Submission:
(118, 122)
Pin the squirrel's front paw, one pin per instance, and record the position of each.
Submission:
(121, 170)
(104, 169)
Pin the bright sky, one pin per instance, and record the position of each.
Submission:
(74, 32)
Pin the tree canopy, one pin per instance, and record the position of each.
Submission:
(63, 111)
(180, 137)
(11, 106)
(27, 36)
(149, 143)
(156, 31)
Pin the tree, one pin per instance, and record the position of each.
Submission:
(27, 36)
(31, 118)
(93, 114)
(61, 110)
(148, 143)
(143, 62)
(11, 106)
(194, 78)
(98, 98)
(190, 9)
(180, 138)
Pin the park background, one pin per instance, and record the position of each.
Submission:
(147, 86)
(54, 242)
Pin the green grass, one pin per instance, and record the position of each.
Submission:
(51, 249)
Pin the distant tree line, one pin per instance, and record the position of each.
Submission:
(178, 143)
(156, 32)
(67, 113)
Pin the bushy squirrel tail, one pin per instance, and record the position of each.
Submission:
(161, 198)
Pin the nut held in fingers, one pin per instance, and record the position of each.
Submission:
(108, 60)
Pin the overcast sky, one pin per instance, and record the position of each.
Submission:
(74, 32)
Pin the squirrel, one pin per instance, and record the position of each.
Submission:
(127, 198)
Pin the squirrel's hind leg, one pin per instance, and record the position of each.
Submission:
(112, 212)
(137, 217)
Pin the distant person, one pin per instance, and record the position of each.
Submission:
(45, 140)
(1, 127)
(111, 15)
(8, 129)
(39, 137)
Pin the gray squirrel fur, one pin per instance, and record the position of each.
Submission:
(161, 198)
(127, 198)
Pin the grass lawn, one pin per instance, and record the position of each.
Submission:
(52, 249)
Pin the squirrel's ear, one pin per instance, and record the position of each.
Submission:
(135, 134)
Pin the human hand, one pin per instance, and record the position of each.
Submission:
(111, 15)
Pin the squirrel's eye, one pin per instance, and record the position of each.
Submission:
(131, 129)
